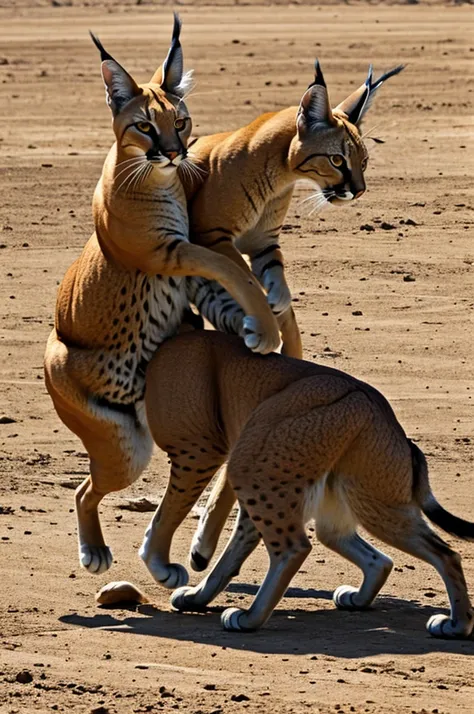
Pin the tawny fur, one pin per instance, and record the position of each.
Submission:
(127, 291)
(240, 198)
(239, 201)
(303, 441)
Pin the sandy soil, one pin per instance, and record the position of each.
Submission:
(392, 305)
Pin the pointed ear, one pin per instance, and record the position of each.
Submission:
(314, 106)
(358, 103)
(170, 75)
(120, 87)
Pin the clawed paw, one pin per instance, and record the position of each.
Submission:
(443, 626)
(95, 559)
(344, 598)
(232, 620)
(182, 600)
(255, 336)
(278, 292)
(170, 575)
(197, 561)
(279, 298)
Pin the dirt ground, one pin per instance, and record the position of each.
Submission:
(392, 304)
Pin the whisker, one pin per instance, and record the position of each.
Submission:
(133, 158)
(136, 181)
(130, 166)
(369, 131)
(194, 162)
(129, 178)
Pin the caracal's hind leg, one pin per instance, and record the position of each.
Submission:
(404, 527)
(286, 558)
(212, 521)
(191, 471)
(119, 449)
(243, 541)
(336, 528)
(117, 441)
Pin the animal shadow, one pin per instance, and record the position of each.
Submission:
(392, 626)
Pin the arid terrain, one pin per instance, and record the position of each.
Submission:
(382, 288)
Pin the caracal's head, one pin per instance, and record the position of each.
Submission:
(328, 148)
(150, 121)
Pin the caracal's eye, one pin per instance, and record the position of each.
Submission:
(180, 123)
(337, 160)
(144, 127)
(363, 164)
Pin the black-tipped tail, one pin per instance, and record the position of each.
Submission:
(429, 505)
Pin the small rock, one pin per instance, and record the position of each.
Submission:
(24, 677)
(367, 227)
(408, 279)
(387, 226)
(7, 420)
(140, 505)
(239, 698)
(357, 313)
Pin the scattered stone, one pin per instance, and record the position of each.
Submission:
(24, 677)
(210, 687)
(139, 505)
(7, 420)
(357, 313)
(367, 227)
(239, 698)
(387, 226)
(409, 278)
(6, 511)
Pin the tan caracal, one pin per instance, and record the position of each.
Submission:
(259, 165)
(304, 442)
(248, 176)
(128, 290)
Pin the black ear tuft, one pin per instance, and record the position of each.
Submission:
(176, 28)
(383, 78)
(104, 55)
(173, 64)
(318, 75)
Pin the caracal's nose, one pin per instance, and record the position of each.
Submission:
(171, 155)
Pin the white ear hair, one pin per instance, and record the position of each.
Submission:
(186, 84)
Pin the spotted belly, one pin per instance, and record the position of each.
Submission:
(142, 319)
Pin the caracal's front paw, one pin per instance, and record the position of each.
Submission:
(443, 626)
(279, 298)
(183, 599)
(197, 561)
(257, 338)
(233, 620)
(170, 575)
(96, 559)
(346, 597)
